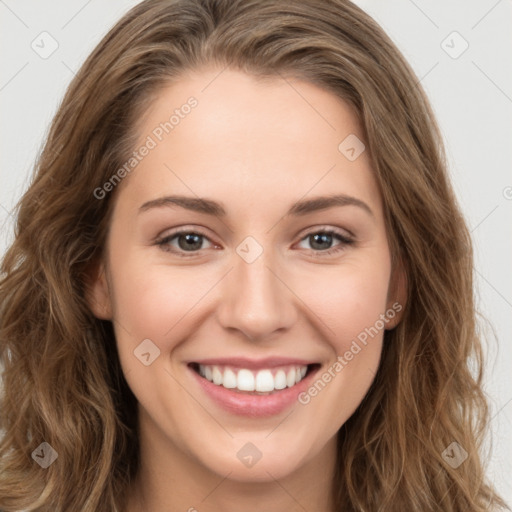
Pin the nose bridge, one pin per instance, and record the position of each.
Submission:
(255, 301)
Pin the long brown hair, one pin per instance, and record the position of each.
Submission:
(62, 381)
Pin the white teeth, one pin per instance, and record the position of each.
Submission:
(217, 376)
(290, 377)
(245, 380)
(229, 380)
(263, 381)
(280, 380)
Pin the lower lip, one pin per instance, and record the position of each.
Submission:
(255, 406)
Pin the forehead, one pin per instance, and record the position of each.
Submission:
(247, 140)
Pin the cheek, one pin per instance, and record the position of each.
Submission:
(156, 303)
(152, 300)
(348, 298)
(351, 317)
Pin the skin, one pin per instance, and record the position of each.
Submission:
(257, 147)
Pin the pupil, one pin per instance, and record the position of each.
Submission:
(319, 238)
(192, 242)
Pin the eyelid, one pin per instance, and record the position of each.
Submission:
(326, 227)
(184, 229)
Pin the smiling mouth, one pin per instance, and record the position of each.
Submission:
(265, 381)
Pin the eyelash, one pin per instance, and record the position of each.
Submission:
(164, 242)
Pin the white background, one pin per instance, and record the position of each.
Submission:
(471, 95)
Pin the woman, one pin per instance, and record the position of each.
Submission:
(173, 336)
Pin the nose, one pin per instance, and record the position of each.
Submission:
(256, 299)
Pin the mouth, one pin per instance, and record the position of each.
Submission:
(250, 388)
(264, 381)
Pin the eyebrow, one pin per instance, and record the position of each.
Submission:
(211, 207)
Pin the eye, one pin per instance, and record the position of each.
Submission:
(187, 241)
(191, 242)
(322, 240)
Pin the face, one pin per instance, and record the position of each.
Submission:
(249, 315)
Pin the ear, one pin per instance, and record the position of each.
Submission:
(97, 292)
(397, 295)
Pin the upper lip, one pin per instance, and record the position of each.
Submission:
(253, 364)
